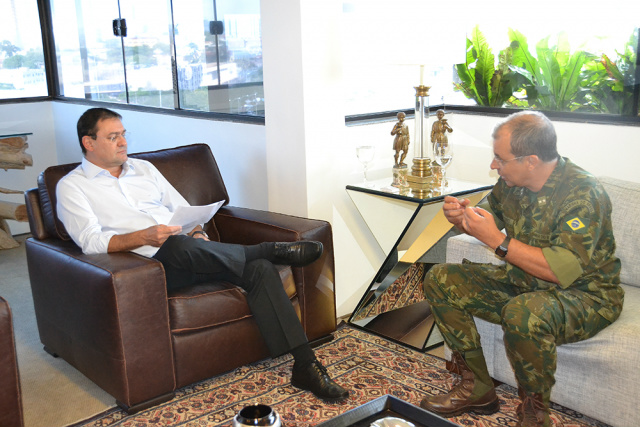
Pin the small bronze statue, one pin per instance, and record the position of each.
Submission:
(439, 129)
(439, 135)
(401, 140)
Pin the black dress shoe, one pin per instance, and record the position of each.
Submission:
(296, 254)
(314, 378)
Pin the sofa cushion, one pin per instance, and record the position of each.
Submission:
(463, 246)
(190, 307)
(192, 170)
(625, 199)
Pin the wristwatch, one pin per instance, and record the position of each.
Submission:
(503, 248)
(199, 232)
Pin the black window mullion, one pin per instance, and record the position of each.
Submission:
(636, 81)
(124, 57)
(174, 59)
(215, 18)
(49, 48)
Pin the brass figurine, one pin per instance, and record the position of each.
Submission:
(439, 135)
(439, 129)
(401, 140)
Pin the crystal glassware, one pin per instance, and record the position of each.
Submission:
(442, 155)
(365, 155)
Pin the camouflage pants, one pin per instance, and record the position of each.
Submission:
(534, 321)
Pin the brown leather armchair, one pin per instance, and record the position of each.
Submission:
(10, 395)
(111, 317)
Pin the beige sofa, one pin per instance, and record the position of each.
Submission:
(599, 377)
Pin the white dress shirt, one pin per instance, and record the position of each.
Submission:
(94, 205)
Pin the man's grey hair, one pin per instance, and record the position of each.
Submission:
(531, 133)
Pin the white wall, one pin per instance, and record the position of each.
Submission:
(304, 112)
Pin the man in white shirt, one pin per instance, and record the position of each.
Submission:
(111, 203)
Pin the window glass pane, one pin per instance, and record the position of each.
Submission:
(242, 43)
(195, 52)
(384, 47)
(89, 56)
(147, 52)
(219, 56)
(22, 72)
(375, 33)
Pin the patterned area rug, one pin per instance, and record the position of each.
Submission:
(369, 366)
(404, 291)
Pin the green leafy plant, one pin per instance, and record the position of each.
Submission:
(611, 83)
(579, 81)
(482, 79)
(555, 79)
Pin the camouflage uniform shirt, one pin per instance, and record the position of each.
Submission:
(570, 219)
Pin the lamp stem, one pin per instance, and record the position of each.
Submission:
(420, 178)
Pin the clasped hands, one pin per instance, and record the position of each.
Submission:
(475, 221)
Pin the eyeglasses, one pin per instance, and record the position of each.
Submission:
(114, 137)
(502, 162)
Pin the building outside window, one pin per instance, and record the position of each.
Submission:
(219, 55)
(22, 73)
(193, 54)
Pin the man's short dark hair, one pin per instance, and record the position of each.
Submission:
(531, 133)
(88, 122)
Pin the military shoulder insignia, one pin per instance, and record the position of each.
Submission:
(575, 224)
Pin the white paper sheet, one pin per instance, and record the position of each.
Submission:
(190, 216)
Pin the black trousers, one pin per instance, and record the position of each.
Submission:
(188, 261)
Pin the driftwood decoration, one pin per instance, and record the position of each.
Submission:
(12, 156)
(12, 153)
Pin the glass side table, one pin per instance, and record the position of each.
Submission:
(407, 228)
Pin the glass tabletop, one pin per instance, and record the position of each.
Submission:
(383, 187)
(13, 133)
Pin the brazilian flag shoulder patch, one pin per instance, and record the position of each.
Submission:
(577, 224)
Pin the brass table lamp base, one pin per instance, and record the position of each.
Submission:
(420, 179)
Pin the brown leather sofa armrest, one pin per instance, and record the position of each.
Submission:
(34, 213)
(10, 395)
(124, 297)
(315, 283)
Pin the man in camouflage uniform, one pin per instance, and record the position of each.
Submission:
(560, 282)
